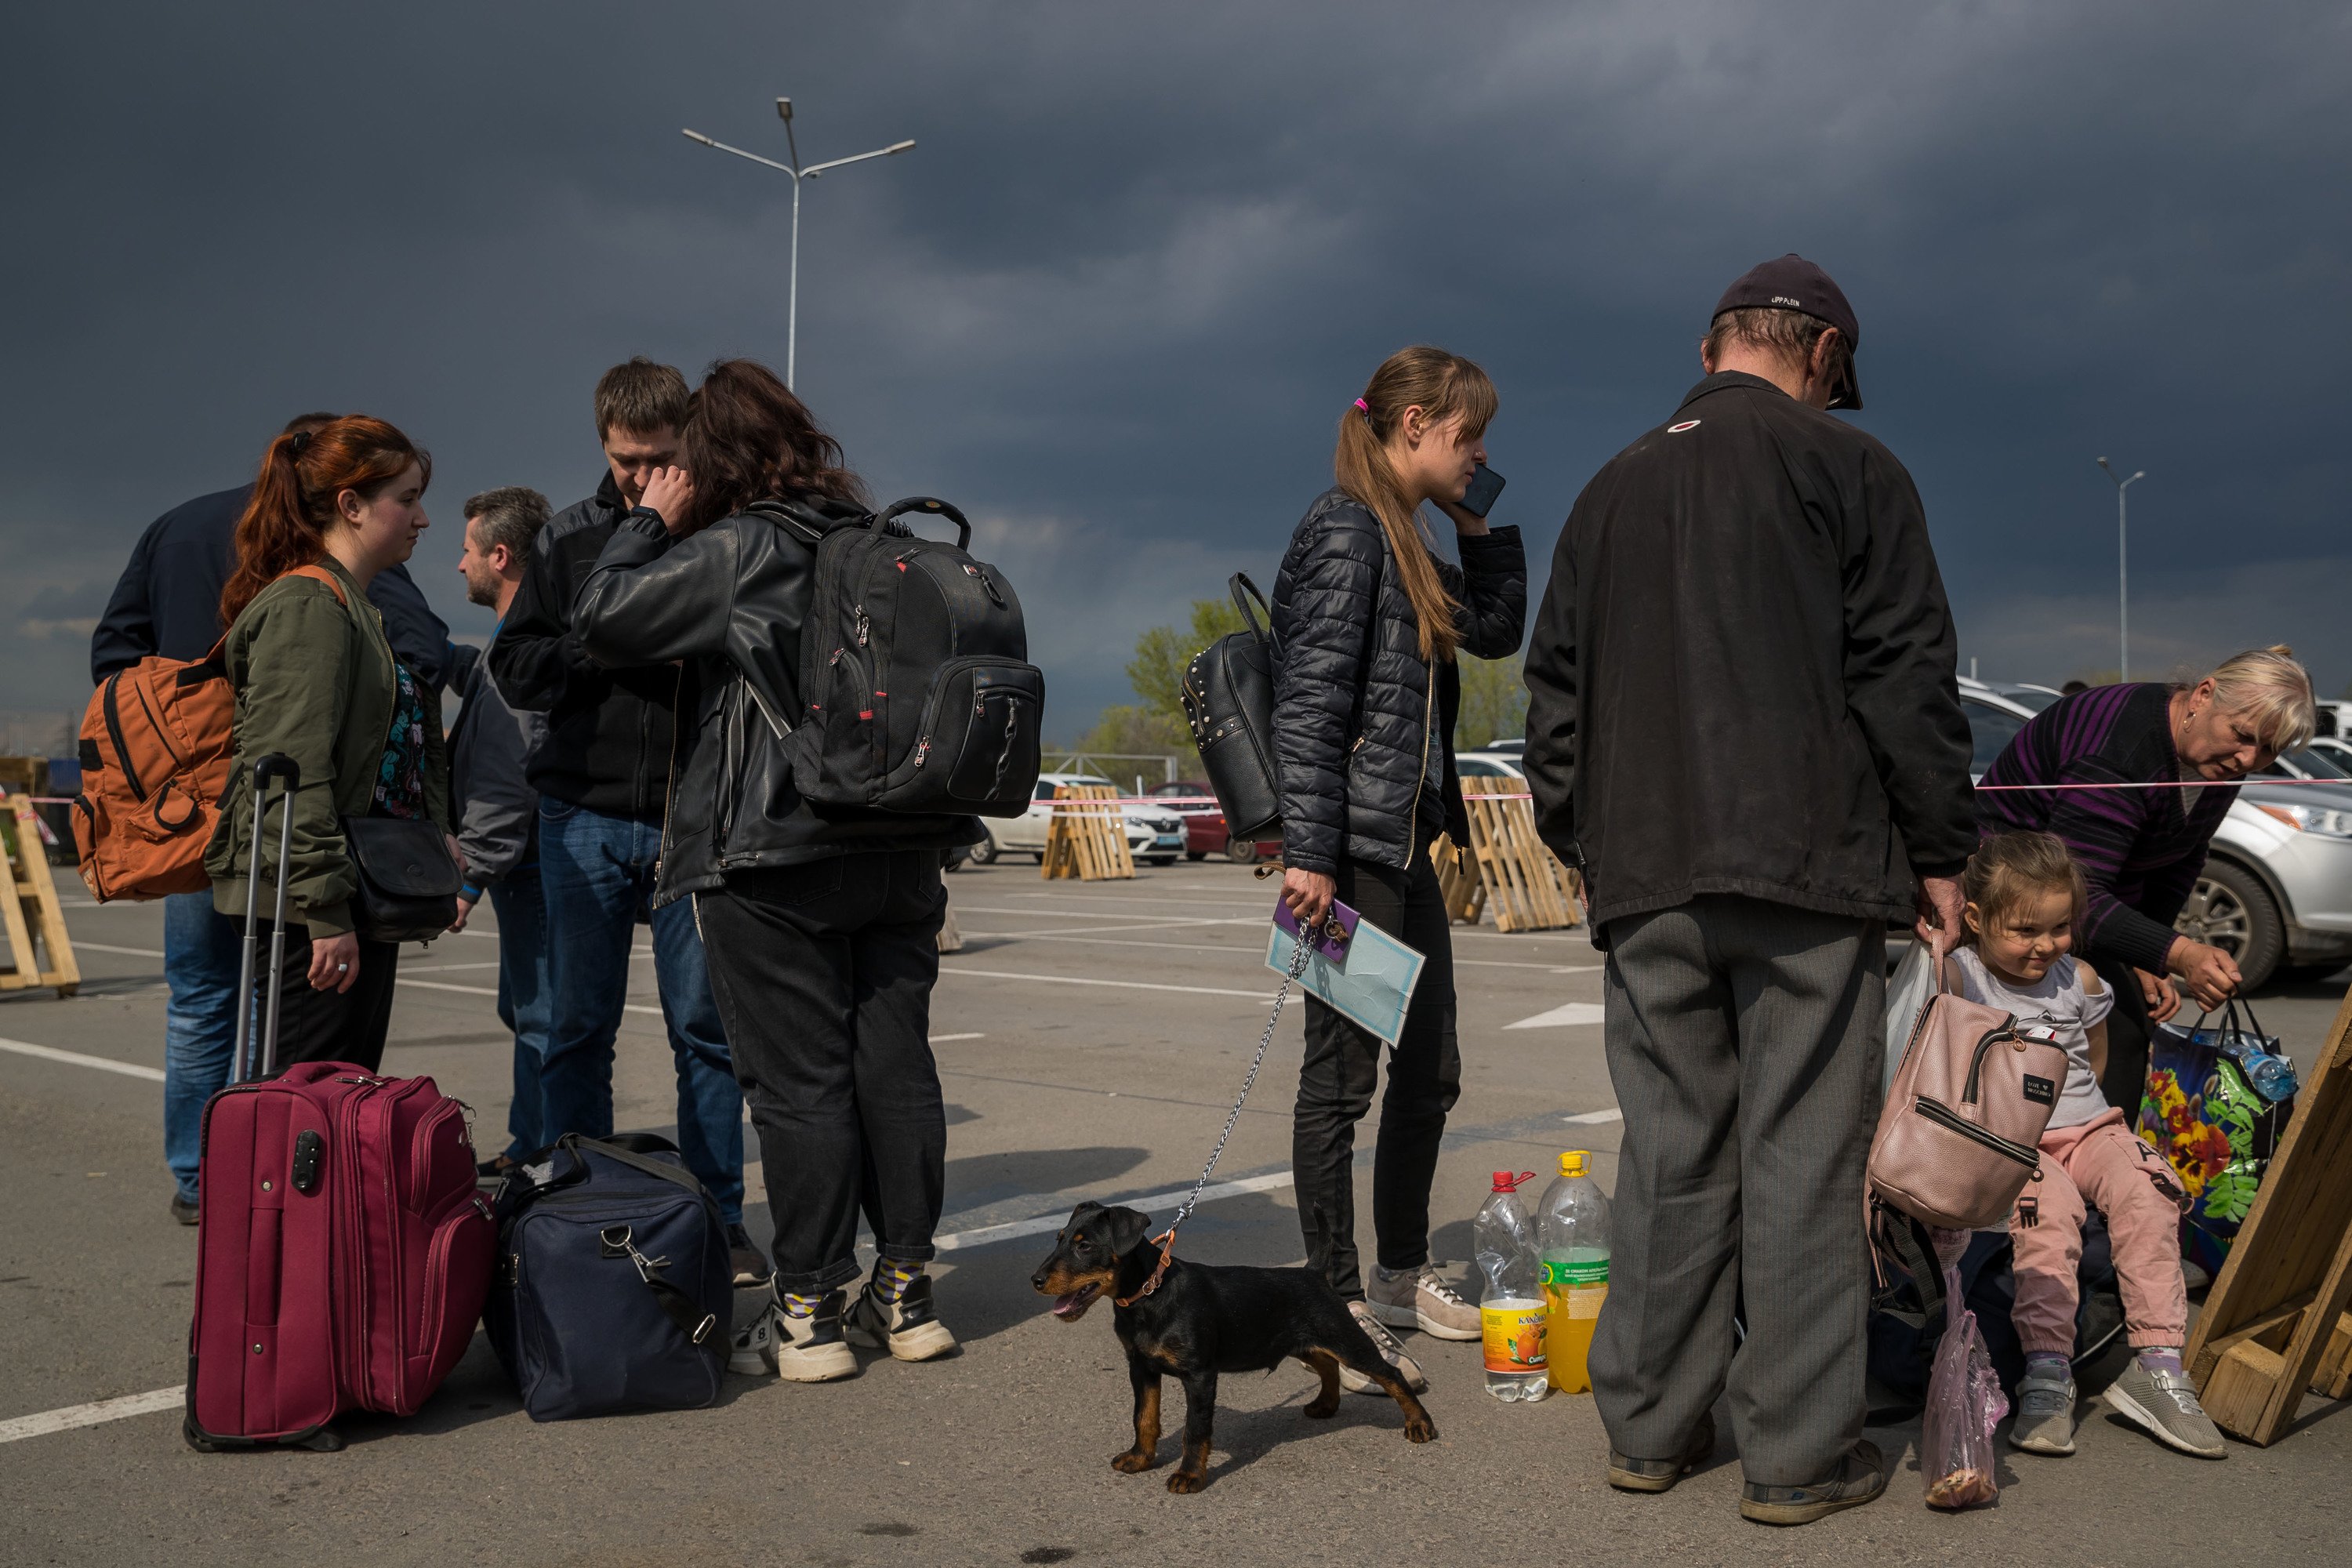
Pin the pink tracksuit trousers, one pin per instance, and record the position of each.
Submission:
(2103, 1161)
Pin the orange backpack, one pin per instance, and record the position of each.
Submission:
(156, 743)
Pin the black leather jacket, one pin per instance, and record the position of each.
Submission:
(727, 603)
(1356, 713)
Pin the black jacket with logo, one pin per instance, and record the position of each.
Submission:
(1741, 678)
(728, 603)
(610, 730)
(1357, 716)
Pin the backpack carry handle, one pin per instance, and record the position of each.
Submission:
(930, 506)
(1239, 584)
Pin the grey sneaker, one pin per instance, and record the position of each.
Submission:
(1421, 1299)
(2164, 1404)
(2045, 1414)
(1632, 1475)
(751, 1350)
(1408, 1370)
(1861, 1476)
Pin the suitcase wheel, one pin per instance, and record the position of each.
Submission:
(196, 1440)
(325, 1440)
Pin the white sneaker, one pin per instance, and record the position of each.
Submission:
(752, 1348)
(908, 1327)
(811, 1349)
(1421, 1299)
(1408, 1370)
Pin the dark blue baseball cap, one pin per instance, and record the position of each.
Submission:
(1792, 283)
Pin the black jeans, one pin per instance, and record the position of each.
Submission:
(328, 1026)
(2124, 1082)
(823, 974)
(1335, 1081)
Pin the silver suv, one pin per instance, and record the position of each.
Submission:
(2277, 891)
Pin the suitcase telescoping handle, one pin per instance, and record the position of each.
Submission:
(929, 506)
(263, 1064)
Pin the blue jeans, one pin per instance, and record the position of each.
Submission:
(596, 871)
(525, 1000)
(202, 949)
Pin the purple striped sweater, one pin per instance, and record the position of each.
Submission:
(2139, 850)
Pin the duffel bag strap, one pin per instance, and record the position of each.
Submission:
(680, 1308)
(631, 1149)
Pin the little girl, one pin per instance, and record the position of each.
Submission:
(2024, 894)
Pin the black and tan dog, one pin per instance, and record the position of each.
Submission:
(1203, 1321)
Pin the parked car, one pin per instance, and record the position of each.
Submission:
(1206, 831)
(2277, 890)
(2335, 749)
(1490, 762)
(1155, 835)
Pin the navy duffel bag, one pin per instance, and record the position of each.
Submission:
(612, 1290)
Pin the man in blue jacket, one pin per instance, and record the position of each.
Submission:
(168, 603)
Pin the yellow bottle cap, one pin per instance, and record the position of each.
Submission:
(1572, 1163)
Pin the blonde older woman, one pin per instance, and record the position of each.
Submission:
(2141, 848)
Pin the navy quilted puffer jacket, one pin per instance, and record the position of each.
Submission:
(1356, 710)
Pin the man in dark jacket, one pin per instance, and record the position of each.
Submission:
(603, 773)
(498, 811)
(1743, 727)
(167, 602)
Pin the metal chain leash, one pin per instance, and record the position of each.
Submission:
(1297, 967)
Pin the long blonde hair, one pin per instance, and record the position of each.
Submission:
(1442, 385)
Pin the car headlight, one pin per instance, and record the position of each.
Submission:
(2322, 820)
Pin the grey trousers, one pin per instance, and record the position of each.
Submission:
(1745, 1041)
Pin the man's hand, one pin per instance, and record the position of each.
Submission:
(1939, 904)
(2209, 973)
(334, 963)
(1309, 896)
(669, 492)
(464, 908)
(2162, 1000)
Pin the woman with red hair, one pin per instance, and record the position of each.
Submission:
(316, 681)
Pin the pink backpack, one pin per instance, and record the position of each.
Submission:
(1959, 1133)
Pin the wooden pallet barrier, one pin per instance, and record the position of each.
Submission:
(28, 907)
(1458, 882)
(1522, 880)
(1088, 837)
(2274, 1323)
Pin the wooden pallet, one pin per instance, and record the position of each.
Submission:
(1522, 880)
(1458, 882)
(28, 908)
(2275, 1323)
(1088, 837)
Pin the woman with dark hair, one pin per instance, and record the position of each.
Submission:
(316, 681)
(822, 930)
(1366, 623)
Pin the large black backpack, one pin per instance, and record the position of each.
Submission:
(1228, 698)
(915, 669)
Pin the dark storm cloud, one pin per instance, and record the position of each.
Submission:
(1115, 301)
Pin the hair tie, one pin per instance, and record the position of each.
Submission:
(296, 442)
(1363, 408)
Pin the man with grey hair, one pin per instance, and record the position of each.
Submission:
(1745, 730)
(498, 811)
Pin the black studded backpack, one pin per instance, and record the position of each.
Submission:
(1229, 701)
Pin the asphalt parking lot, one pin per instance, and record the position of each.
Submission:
(1090, 1038)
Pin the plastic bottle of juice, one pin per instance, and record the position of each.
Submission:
(1510, 1300)
(1572, 1233)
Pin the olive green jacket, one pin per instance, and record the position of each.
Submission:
(314, 680)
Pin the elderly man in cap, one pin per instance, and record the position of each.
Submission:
(1744, 729)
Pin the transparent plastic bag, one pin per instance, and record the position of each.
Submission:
(1964, 1403)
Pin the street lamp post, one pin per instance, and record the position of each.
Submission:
(798, 173)
(2122, 582)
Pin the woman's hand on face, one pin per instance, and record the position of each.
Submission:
(1465, 522)
(668, 492)
(1308, 895)
(2162, 1000)
(334, 963)
(2209, 974)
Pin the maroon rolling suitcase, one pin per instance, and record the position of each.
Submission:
(343, 1251)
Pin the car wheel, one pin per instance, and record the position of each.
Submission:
(1159, 859)
(1242, 851)
(1196, 855)
(984, 852)
(2230, 909)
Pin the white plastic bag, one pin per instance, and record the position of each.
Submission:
(1908, 992)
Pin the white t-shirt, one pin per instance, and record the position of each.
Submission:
(2059, 1003)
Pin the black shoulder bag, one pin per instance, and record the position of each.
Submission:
(1229, 702)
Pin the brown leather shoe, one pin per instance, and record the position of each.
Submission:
(1660, 1475)
(1861, 1477)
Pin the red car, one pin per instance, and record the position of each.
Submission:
(1205, 833)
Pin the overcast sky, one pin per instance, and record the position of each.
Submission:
(1115, 302)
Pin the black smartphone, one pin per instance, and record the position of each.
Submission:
(1484, 486)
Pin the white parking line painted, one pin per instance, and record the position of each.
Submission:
(95, 1414)
(81, 946)
(1120, 984)
(1569, 1013)
(1268, 1182)
(943, 1039)
(75, 1059)
(1595, 1118)
(492, 991)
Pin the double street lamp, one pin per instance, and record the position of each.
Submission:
(798, 173)
(2123, 583)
